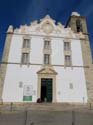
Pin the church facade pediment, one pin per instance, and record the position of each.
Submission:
(47, 71)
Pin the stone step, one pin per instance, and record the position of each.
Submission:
(43, 106)
(38, 117)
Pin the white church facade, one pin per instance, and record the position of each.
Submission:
(47, 61)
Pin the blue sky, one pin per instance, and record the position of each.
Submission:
(18, 12)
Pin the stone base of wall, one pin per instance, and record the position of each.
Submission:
(45, 106)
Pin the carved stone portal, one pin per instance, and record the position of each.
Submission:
(47, 73)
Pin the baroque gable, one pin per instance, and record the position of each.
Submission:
(47, 26)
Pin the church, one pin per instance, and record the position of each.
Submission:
(47, 61)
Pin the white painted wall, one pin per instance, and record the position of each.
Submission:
(64, 78)
(37, 50)
(57, 57)
(76, 53)
(28, 75)
(16, 74)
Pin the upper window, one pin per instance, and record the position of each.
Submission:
(79, 26)
(20, 84)
(68, 60)
(66, 45)
(46, 59)
(46, 44)
(26, 43)
(71, 86)
(25, 58)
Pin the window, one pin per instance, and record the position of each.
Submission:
(26, 43)
(79, 26)
(25, 58)
(46, 58)
(71, 86)
(66, 45)
(67, 60)
(47, 44)
(20, 84)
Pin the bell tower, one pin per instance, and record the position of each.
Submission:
(78, 24)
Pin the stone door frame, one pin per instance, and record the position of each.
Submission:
(53, 77)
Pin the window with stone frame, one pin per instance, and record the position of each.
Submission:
(25, 59)
(68, 60)
(46, 58)
(46, 44)
(26, 43)
(67, 46)
(71, 86)
(20, 84)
